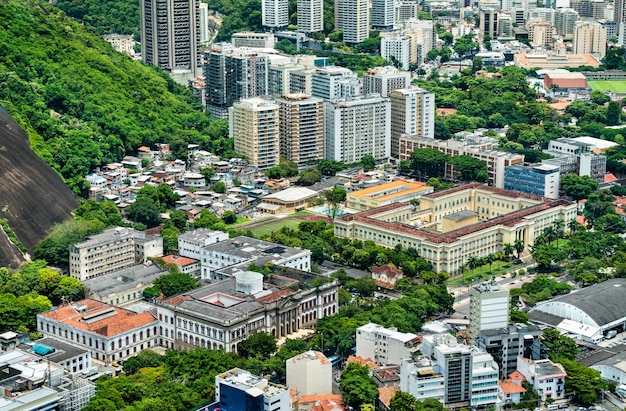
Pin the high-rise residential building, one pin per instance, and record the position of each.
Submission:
(170, 33)
(301, 128)
(423, 37)
(489, 22)
(301, 81)
(590, 38)
(238, 389)
(564, 22)
(111, 250)
(383, 80)
(203, 21)
(542, 14)
(470, 374)
(279, 79)
(382, 14)
(539, 179)
(489, 309)
(540, 33)
(406, 10)
(327, 82)
(232, 74)
(619, 16)
(254, 126)
(352, 17)
(397, 49)
(356, 128)
(506, 27)
(275, 13)
(412, 113)
(310, 16)
(506, 344)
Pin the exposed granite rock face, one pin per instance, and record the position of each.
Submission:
(32, 195)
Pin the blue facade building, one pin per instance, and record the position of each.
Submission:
(539, 179)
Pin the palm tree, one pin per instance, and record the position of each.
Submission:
(573, 226)
(518, 245)
(550, 234)
(559, 227)
(490, 259)
(508, 250)
(472, 263)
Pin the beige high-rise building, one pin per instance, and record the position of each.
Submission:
(352, 17)
(301, 128)
(412, 113)
(541, 33)
(590, 38)
(254, 126)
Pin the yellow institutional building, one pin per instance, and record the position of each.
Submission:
(452, 225)
(388, 193)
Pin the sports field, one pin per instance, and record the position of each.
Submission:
(618, 86)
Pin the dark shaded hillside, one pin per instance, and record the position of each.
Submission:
(32, 196)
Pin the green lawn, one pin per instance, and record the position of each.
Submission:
(483, 273)
(618, 86)
(266, 229)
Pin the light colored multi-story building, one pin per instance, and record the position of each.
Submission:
(396, 47)
(539, 179)
(275, 13)
(111, 250)
(470, 374)
(421, 378)
(301, 128)
(383, 80)
(590, 38)
(352, 17)
(327, 82)
(231, 74)
(451, 225)
(170, 34)
(252, 39)
(540, 33)
(356, 128)
(109, 333)
(147, 245)
(489, 309)
(564, 22)
(384, 345)
(279, 79)
(222, 314)
(413, 114)
(191, 243)
(546, 377)
(542, 14)
(310, 373)
(382, 14)
(124, 43)
(496, 161)
(255, 129)
(240, 250)
(619, 16)
(310, 16)
(238, 389)
(203, 21)
(423, 38)
(406, 10)
(576, 157)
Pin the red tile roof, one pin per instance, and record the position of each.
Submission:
(509, 387)
(516, 376)
(110, 325)
(385, 394)
(274, 296)
(179, 261)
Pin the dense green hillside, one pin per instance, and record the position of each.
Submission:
(104, 17)
(84, 104)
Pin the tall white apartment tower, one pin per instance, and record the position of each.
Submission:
(275, 13)
(301, 128)
(352, 17)
(619, 16)
(489, 309)
(355, 128)
(170, 33)
(310, 16)
(254, 126)
(396, 49)
(412, 113)
(383, 14)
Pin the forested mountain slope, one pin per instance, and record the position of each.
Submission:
(32, 196)
(84, 104)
